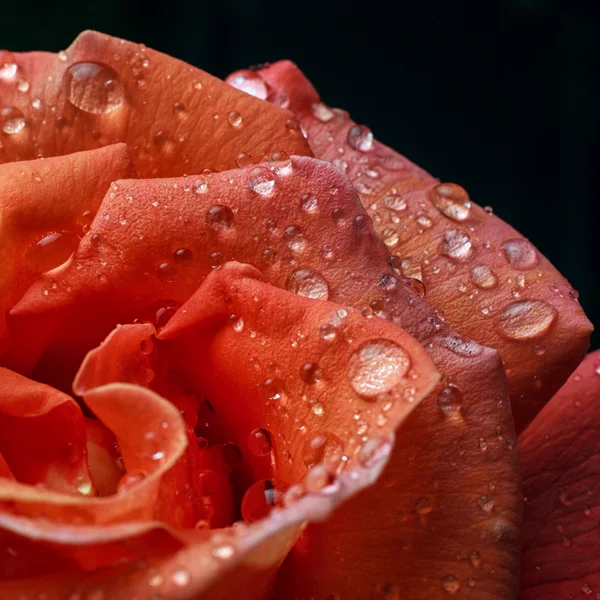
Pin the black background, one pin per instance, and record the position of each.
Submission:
(501, 97)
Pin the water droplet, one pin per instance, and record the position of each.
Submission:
(360, 138)
(483, 277)
(13, 120)
(423, 506)
(261, 180)
(450, 584)
(8, 71)
(520, 254)
(178, 108)
(475, 558)
(294, 238)
(205, 482)
(51, 251)
(219, 217)
(308, 283)
(182, 255)
(376, 367)
(327, 333)
(460, 346)
(243, 160)
(260, 442)
(457, 245)
(323, 447)
(23, 85)
(93, 87)
(181, 577)
(450, 399)
(147, 346)
(322, 113)
(395, 202)
(309, 203)
(130, 479)
(310, 373)
(261, 497)
(167, 272)
(280, 163)
(527, 319)
(250, 82)
(452, 201)
(235, 119)
(485, 504)
(586, 589)
(223, 552)
(161, 137)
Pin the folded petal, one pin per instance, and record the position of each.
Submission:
(175, 118)
(46, 206)
(491, 284)
(561, 464)
(302, 225)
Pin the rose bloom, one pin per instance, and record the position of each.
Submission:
(249, 352)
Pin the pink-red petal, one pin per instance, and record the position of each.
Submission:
(561, 464)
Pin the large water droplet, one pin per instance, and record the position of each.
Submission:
(261, 180)
(261, 497)
(294, 238)
(310, 373)
(360, 138)
(280, 163)
(527, 319)
(457, 245)
(483, 277)
(235, 119)
(308, 283)
(452, 201)
(250, 82)
(13, 120)
(94, 87)
(260, 442)
(521, 255)
(51, 251)
(219, 217)
(376, 367)
(323, 447)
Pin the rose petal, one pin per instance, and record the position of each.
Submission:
(329, 235)
(491, 283)
(561, 462)
(103, 89)
(42, 435)
(45, 208)
(103, 457)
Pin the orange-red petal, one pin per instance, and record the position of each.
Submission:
(491, 283)
(175, 118)
(561, 464)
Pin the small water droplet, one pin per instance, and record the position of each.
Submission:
(376, 367)
(328, 333)
(243, 160)
(395, 202)
(13, 120)
(235, 119)
(261, 497)
(322, 113)
(308, 283)
(475, 558)
(323, 447)
(360, 138)
(260, 442)
(219, 217)
(527, 319)
(223, 552)
(483, 277)
(520, 254)
(280, 163)
(310, 373)
(452, 201)
(182, 255)
(423, 506)
(94, 87)
(450, 399)
(261, 180)
(167, 272)
(450, 584)
(293, 237)
(457, 245)
(181, 577)
(51, 251)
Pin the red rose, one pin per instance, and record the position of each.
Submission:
(211, 353)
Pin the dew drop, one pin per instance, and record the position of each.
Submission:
(261, 180)
(243, 160)
(294, 238)
(308, 283)
(94, 87)
(13, 120)
(51, 251)
(310, 373)
(452, 201)
(423, 506)
(327, 333)
(322, 112)
(457, 245)
(483, 277)
(250, 82)
(261, 497)
(166, 272)
(260, 442)
(8, 72)
(475, 558)
(280, 163)
(219, 217)
(527, 319)
(520, 254)
(450, 584)
(395, 202)
(308, 203)
(376, 367)
(182, 255)
(235, 119)
(360, 138)
(323, 447)
(450, 399)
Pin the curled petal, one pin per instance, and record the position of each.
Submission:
(102, 89)
(491, 284)
(561, 464)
